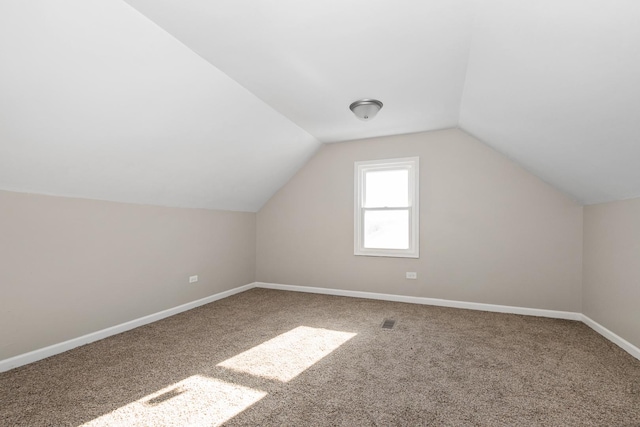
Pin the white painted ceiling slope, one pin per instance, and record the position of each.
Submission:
(98, 101)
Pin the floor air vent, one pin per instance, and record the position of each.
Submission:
(388, 324)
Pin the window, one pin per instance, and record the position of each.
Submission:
(386, 208)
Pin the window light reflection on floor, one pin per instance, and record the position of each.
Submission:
(286, 356)
(202, 401)
(195, 401)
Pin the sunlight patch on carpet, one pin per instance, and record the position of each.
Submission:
(195, 401)
(286, 356)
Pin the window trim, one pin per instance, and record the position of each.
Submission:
(412, 164)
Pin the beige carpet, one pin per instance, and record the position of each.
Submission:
(276, 358)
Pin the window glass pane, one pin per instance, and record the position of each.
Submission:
(386, 229)
(387, 189)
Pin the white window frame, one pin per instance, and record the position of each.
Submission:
(412, 164)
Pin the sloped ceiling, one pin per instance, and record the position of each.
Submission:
(215, 104)
(556, 86)
(96, 101)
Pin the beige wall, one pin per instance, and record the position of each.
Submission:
(490, 232)
(611, 289)
(69, 267)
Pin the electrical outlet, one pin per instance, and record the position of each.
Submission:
(412, 275)
(193, 279)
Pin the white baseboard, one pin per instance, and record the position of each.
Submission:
(51, 350)
(569, 315)
(614, 338)
(42, 353)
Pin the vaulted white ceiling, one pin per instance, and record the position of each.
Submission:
(555, 84)
(311, 59)
(97, 101)
(216, 104)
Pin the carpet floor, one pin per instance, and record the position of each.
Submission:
(275, 358)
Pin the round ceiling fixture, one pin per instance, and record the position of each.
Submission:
(366, 109)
